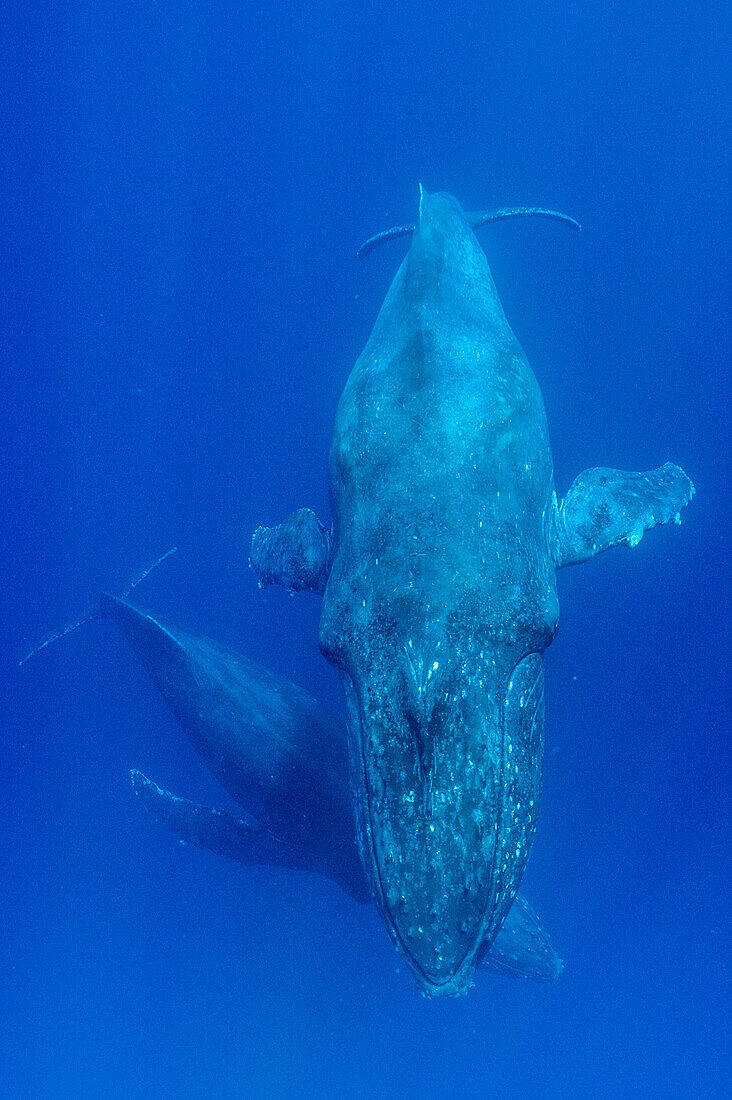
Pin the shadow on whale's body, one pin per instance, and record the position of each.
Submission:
(284, 759)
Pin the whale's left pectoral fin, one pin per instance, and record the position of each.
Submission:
(522, 948)
(605, 507)
(295, 554)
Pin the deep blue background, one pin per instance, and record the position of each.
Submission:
(185, 185)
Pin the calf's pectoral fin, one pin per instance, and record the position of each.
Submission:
(215, 830)
(295, 554)
(605, 507)
(243, 841)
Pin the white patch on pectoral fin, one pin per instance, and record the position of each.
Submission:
(606, 507)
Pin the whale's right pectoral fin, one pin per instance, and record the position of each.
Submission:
(295, 554)
(605, 507)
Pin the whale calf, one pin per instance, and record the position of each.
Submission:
(439, 591)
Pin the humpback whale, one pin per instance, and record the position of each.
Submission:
(439, 591)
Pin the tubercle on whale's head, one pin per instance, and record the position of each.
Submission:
(446, 756)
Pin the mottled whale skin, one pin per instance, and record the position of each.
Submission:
(439, 592)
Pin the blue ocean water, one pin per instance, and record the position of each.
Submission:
(184, 191)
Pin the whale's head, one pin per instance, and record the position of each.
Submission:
(446, 725)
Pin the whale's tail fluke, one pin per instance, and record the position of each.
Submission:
(475, 218)
(380, 238)
(94, 612)
(483, 217)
